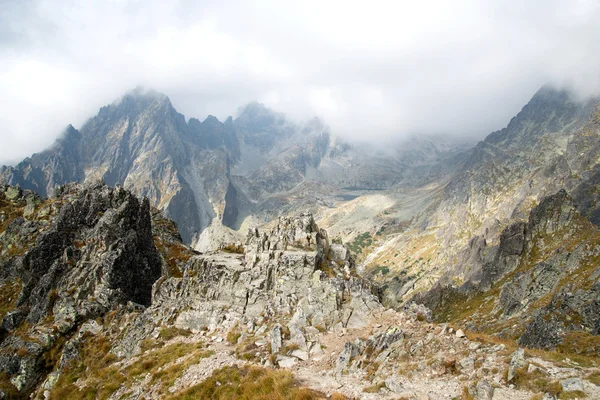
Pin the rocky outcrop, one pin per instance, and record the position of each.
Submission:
(542, 277)
(285, 297)
(291, 271)
(554, 213)
(551, 144)
(83, 253)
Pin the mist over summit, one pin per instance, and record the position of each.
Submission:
(368, 70)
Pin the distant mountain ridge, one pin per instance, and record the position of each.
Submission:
(200, 171)
(430, 204)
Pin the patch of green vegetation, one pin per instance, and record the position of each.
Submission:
(233, 248)
(233, 335)
(247, 350)
(8, 388)
(594, 377)
(576, 394)
(580, 342)
(536, 382)
(174, 254)
(248, 383)
(361, 242)
(10, 212)
(95, 364)
(172, 332)
(382, 269)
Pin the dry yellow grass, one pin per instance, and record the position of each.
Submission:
(101, 375)
(249, 383)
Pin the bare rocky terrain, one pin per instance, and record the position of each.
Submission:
(122, 309)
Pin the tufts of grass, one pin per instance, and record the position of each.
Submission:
(172, 332)
(248, 383)
(247, 350)
(158, 358)
(580, 342)
(167, 376)
(562, 358)
(576, 394)
(233, 248)
(233, 335)
(337, 396)
(594, 377)
(99, 375)
(95, 366)
(536, 382)
(9, 291)
(374, 388)
(9, 390)
(466, 394)
(288, 348)
(174, 255)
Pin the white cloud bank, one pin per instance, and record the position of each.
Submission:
(370, 69)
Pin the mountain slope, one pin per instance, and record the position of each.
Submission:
(506, 175)
(539, 286)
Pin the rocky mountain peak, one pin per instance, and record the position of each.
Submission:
(135, 102)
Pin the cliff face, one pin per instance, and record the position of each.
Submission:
(65, 261)
(539, 285)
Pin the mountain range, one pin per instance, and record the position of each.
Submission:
(420, 206)
(144, 254)
(222, 173)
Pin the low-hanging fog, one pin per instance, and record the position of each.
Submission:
(371, 69)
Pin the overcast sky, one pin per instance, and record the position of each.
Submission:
(370, 69)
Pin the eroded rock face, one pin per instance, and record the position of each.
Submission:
(290, 274)
(100, 245)
(78, 255)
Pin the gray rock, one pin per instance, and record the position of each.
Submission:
(300, 354)
(572, 385)
(65, 314)
(467, 365)
(276, 340)
(418, 311)
(13, 319)
(394, 385)
(484, 390)
(517, 361)
(286, 362)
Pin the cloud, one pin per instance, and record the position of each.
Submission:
(370, 69)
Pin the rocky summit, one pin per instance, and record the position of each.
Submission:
(149, 256)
